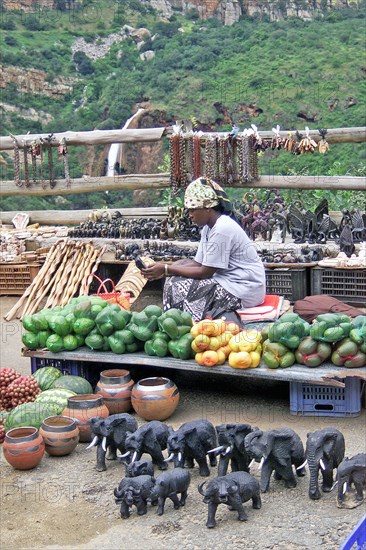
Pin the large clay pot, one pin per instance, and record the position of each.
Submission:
(82, 408)
(155, 398)
(60, 435)
(23, 448)
(115, 386)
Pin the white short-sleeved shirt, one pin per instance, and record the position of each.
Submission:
(240, 271)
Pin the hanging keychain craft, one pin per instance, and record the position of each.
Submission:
(307, 144)
(323, 145)
(62, 153)
(276, 142)
(51, 168)
(17, 170)
(26, 165)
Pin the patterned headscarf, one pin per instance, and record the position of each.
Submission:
(206, 193)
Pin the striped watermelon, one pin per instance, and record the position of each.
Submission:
(77, 384)
(56, 397)
(29, 414)
(46, 377)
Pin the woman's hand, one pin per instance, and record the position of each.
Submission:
(153, 272)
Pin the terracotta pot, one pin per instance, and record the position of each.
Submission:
(115, 386)
(155, 398)
(83, 407)
(60, 435)
(23, 448)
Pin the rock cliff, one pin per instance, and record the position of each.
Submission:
(227, 11)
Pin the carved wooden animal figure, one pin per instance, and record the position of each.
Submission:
(351, 471)
(169, 485)
(134, 491)
(324, 451)
(190, 442)
(277, 450)
(232, 490)
(110, 434)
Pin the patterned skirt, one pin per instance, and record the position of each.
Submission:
(202, 298)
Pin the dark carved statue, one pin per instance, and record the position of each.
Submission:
(151, 439)
(351, 471)
(169, 485)
(134, 491)
(324, 451)
(232, 490)
(110, 435)
(277, 450)
(231, 447)
(190, 442)
(140, 468)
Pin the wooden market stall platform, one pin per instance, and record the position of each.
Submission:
(327, 373)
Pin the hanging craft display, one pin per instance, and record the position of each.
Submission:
(197, 157)
(62, 153)
(17, 169)
(323, 145)
(35, 150)
(307, 144)
(177, 154)
(51, 168)
(26, 166)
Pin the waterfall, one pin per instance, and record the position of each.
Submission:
(116, 148)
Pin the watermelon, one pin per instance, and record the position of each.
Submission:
(77, 384)
(28, 324)
(42, 337)
(94, 341)
(29, 414)
(46, 377)
(60, 325)
(57, 397)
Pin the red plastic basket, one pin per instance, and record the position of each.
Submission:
(114, 297)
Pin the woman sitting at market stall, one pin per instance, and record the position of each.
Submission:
(226, 273)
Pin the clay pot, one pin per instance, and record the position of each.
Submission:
(83, 407)
(23, 448)
(115, 386)
(155, 398)
(60, 435)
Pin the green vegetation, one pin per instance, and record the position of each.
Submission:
(292, 72)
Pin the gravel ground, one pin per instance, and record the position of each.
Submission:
(65, 503)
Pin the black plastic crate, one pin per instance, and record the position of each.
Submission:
(291, 283)
(347, 285)
(89, 371)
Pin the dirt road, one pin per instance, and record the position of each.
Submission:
(64, 503)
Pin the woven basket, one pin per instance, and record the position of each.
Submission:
(114, 297)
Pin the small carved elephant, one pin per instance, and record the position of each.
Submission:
(140, 468)
(324, 451)
(151, 439)
(190, 442)
(168, 485)
(351, 470)
(231, 447)
(134, 491)
(277, 450)
(232, 490)
(110, 434)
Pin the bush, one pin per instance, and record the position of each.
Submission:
(7, 24)
(33, 23)
(10, 41)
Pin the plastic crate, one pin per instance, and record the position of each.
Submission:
(291, 283)
(89, 371)
(319, 400)
(357, 539)
(15, 278)
(347, 285)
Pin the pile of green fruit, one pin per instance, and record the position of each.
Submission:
(332, 336)
(93, 322)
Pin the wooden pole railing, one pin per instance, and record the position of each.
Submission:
(161, 181)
